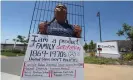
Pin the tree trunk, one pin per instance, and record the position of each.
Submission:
(14, 45)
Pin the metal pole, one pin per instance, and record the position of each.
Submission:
(100, 28)
(83, 22)
(31, 20)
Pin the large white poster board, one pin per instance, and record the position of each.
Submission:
(53, 58)
(108, 47)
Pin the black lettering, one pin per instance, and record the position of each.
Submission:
(53, 45)
(45, 59)
(59, 42)
(45, 39)
(34, 59)
(60, 59)
(44, 53)
(34, 40)
(69, 60)
(76, 41)
(65, 60)
(36, 53)
(61, 54)
(38, 46)
(31, 53)
(39, 53)
(52, 53)
(68, 41)
(54, 59)
(45, 45)
(54, 41)
(49, 46)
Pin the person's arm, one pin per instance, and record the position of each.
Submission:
(43, 27)
(77, 31)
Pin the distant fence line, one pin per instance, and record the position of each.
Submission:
(11, 46)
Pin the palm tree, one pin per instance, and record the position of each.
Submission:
(15, 40)
(22, 40)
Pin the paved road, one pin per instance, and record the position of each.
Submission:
(12, 65)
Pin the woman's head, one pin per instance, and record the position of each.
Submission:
(60, 13)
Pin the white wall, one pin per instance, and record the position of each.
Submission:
(108, 47)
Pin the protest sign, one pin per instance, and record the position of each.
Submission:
(53, 58)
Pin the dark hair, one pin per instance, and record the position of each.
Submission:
(51, 21)
(66, 21)
(54, 20)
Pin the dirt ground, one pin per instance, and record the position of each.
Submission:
(108, 72)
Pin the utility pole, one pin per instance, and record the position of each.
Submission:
(5, 43)
(98, 15)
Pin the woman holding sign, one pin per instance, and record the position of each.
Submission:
(47, 60)
(59, 25)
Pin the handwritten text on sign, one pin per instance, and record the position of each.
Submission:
(53, 58)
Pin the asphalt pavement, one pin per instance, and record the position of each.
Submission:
(12, 65)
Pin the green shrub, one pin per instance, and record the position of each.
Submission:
(7, 50)
(23, 52)
(10, 54)
(99, 60)
(2, 50)
(127, 56)
(16, 51)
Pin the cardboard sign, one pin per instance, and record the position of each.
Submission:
(53, 58)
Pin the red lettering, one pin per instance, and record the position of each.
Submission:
(64, 47)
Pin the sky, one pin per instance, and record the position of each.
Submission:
(16, 18)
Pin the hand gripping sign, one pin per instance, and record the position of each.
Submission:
(53, 58)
